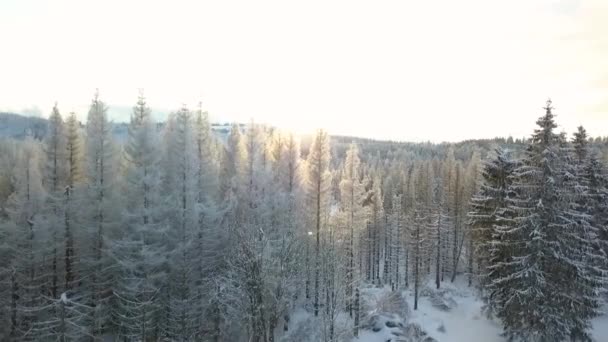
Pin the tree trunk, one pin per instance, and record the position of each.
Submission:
(455, 251)
(69, 244)
(407, 268)
(397, 251)
(377, 246)
(416, 268)
(351, 261)
(217, 333)
(438, 261)
(470, 255)
(369, 252)
(62, 324)
(14, 299)
(307, 283)
(351, 251)
(286, 322)
(388, 252)
(357, 313)
(318, 245)
(459, 251)
(55, 276)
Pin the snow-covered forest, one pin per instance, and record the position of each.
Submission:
(182, 234)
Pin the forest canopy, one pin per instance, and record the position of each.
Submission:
(183, 232)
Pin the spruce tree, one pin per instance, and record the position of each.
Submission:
(487, 216)
(586, 246)
(544, 274)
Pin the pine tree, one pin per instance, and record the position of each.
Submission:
(231, 180)
(73, 158)
(417, 234)
(376, 229)
(140, 253)
(357, 310)
(290, 164)
(206, 172)
(352, 195)
(440, 225)
(63, 320)
(182, 223)
(70, 309)
(29, 301)
(471, 188)
(74, 150)
(450, 191)
(207, 236)
(101, 217)
(397, 226)
(458, 236)
(333, 276)
(252, 264)
(285, 194)
(56, 148)
(55, 180)
(319, 181)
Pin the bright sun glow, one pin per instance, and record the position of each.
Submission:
(406, 70)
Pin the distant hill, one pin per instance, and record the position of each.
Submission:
(18, 126)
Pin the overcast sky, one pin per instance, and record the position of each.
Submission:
(439, 70)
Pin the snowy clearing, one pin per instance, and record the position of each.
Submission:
(462, 323)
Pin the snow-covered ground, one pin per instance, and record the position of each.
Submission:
(464, 322)
(451, 314)
(600, 327)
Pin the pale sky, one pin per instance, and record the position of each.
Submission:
(439, 70)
